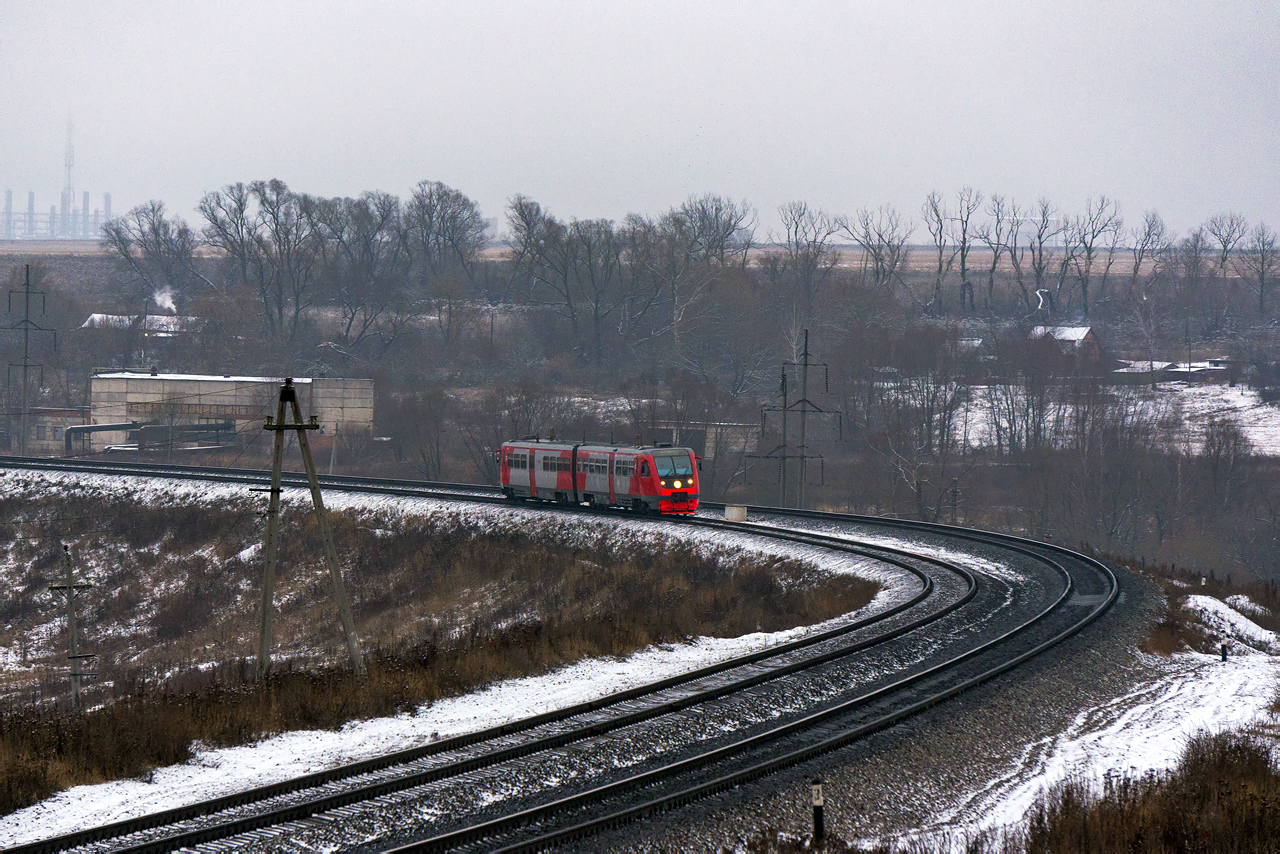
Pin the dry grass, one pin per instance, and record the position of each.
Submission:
(1223, 796)
(444, 608)
(1178, 630)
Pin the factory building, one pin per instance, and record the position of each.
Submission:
(227, 404)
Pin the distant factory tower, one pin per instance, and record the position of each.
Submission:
(68, 189)
(67, 222)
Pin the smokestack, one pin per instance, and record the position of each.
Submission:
(106, 206)
(31, 213)
(8, 214)
(84, 216)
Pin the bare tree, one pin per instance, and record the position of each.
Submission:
(365, 260)
(1259, 264)
(232, 225)
(1016, 251)
(810, 257)
(288, 242)
(1149, 241)
(1192, 258)
(541, 254)
(936, 216)
(677, 257)
(1227, 230)
(1047, 228)
(158, 250)
(1091, 234)
(445, 232)
(995, 233)
(968, 200)
(883, 237)
(597, 274)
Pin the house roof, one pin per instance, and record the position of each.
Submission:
(159, 325)
(1143, 367)
(1062, 333)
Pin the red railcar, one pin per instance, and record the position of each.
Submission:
(656, 479)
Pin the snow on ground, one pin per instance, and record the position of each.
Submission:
(1140, 732)
(1201, 403)
(1229, 624)
(211, 773)
(216, 772)
(1145, 730)
(1198, 404)
(1247, 606)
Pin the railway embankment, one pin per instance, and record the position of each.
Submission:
(447, 601)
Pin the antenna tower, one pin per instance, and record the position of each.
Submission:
(69, 190)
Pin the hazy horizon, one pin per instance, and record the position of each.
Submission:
(602, 110)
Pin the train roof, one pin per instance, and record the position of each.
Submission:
(546, 444)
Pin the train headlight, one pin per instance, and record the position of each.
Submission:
(677, 484)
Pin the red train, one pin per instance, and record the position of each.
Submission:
(656, 479)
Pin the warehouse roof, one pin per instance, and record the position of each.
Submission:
(146, 375)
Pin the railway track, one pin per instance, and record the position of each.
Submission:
(958, 630)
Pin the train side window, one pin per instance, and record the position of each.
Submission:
(644, 468)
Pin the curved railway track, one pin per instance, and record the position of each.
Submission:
(958, 630)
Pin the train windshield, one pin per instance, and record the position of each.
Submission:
(674, 465)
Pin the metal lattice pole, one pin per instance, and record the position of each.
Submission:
(69, 587)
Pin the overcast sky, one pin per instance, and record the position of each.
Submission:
(600, 109)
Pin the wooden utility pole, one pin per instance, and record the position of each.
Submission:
(69, 587)
(289, 397)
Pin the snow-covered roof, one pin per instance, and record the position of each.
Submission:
(1142, 367)
(146, 375)
(1062, 333)
(154, 322)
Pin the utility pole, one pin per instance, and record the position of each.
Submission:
(289, 397)
(804, 411)
(803, 406)
(69, 587)
(27, 325)
(333, 449)
(782, 478)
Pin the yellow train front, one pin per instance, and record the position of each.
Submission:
(648, 479)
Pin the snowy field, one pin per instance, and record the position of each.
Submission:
(1197, 404)
(1201, 403)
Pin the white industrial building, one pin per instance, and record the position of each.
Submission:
(128, 397)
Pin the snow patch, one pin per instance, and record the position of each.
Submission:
(1247, 606)
(1227, 623)
(1140, 732)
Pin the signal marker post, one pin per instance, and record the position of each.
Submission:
(819, 826)
(289, 397)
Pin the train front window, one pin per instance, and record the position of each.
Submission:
(673, 465)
